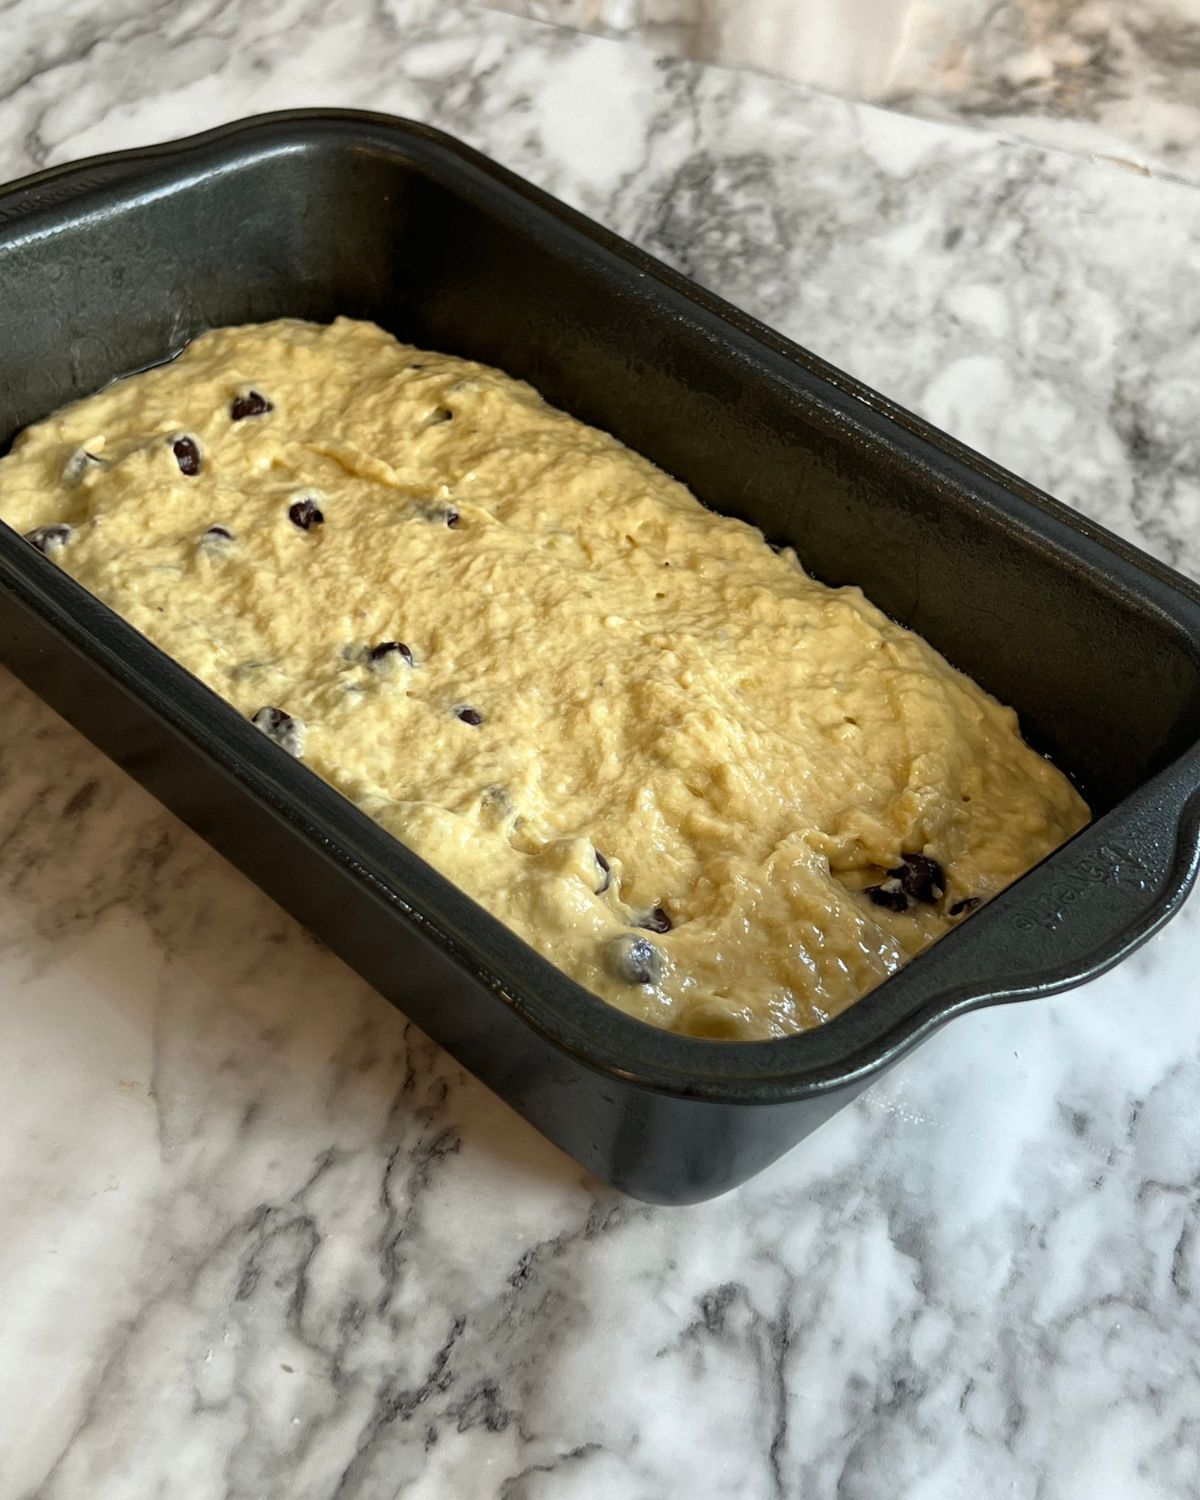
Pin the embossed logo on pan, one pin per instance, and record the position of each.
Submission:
(1111, 864)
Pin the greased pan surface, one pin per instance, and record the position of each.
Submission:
(114, 264)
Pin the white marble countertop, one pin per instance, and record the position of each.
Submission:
(1118, 78)
(259, 1239)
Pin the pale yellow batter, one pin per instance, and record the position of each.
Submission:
(581, 667)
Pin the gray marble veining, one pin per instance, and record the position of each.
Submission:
(1100, 77)
(258, 1238)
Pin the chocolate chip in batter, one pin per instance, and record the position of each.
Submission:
(920, 877)
(961, 908)
(216, 540)
(249, 404)
(605, 873)
(888, 895)
(655, 920)
(288, 733)
(187, 455)
(439, 415)
(387, 649)
(633, 960)
(468, 714)
(446, 515)
(49, 538)
(306, 514)
(81, 462)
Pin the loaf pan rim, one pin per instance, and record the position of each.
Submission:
(793, 1080)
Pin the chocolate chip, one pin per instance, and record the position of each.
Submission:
(217, 534)
(655, 920)
(920, 877)
(288, 733)
(45, 538)
(633, 960)
(605, 873)
(250, 404)
(469, 715)
(187, 455)
(446, 515)
(81, 462)
(439, 415)
(960, 908)
(888, 895)
(306, 514)
(248, 668)
(389, 648)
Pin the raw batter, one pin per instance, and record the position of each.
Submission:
(722, 796)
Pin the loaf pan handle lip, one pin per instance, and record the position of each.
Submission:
(1079, 913)
(871, 1034)
(1072, 918)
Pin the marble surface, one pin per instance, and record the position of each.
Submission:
(1111, 77)
(258, 1238)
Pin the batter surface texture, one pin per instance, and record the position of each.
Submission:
(722, 796)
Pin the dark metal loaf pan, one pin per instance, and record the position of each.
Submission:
(112, 265)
